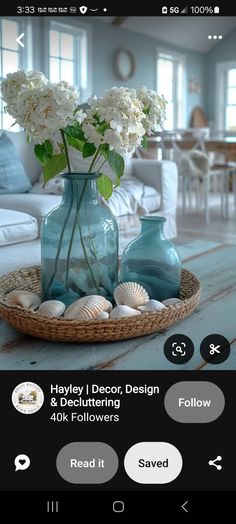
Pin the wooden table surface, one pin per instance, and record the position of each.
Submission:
(213, 263)
(225, 146)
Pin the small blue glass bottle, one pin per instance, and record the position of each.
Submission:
(152, 261)
(79, 244)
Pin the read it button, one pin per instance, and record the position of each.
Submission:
(153, 462)
(87, 462)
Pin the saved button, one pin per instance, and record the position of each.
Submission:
(194, 402)
(153, 462)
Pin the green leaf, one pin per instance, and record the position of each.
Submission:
(103, 127)
(75, 132)
(53, 166)
(75, 142)
(48, 147)
(104, 150)
(88, 150)
(40, 152)
(144, 142)
(116, 163)
(117, 181)
(104, 185)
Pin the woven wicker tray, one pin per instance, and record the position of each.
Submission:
(62, 330)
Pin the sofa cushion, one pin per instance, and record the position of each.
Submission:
(17, 256)
(151, 199)
(132, 197)
(37, 206)
(25, 151)
(13, 178)
(16, 227)
(54, 186)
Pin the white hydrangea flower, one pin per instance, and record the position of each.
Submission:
(154, 109)
(91, 134)
(113, 138)
(14, 83)
(46, 110)
(121, 110)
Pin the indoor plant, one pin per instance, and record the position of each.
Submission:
(112, 126)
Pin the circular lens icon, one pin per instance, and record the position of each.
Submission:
(22, 462)
(178, 349)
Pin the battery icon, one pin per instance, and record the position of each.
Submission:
(216, 10)
(164, 10)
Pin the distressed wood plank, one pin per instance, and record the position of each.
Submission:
(196, 248)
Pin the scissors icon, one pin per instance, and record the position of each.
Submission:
(214, 349)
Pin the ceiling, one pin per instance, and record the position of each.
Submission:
(188, 32)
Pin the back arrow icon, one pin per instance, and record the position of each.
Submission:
(19, 38)
(183, 507)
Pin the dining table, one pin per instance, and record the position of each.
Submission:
(223, 145)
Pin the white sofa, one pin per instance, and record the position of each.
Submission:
(23, 248)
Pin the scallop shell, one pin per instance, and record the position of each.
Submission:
(86, 308)
(123, 311)
(130, 294)
(172, 301)
(51, 308)
(22, 298)
(104, 315)
(152, 305)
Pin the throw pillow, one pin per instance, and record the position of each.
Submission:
(13, 178)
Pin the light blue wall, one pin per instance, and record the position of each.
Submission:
(107, 39)
(224, 51)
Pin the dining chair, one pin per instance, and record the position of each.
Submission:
(196, 176)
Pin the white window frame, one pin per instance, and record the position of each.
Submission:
(179, 119)
(221, 92)
(25, 53)
(84, 88)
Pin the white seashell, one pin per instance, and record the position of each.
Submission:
(104, 315)
(108, 306)
(123, 311)
(130, 294)
(86, 308)
(22, 298)
(171, 301)
(152, 305)
(51, 308)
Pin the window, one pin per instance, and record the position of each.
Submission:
(9, 60)
(230, 111)
(68, 56)
(226, 96)
(170, 83)
(12, 57)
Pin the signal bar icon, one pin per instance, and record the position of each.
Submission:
(184, 11)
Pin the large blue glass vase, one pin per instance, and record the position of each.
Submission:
(79, 244)
(152, 261)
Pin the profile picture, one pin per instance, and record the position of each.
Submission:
(27, 398)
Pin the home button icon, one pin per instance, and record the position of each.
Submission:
(118, 506)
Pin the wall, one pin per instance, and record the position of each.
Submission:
(106, 39)
(224, 51)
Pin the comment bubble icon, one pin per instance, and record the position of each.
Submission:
(22, 462)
